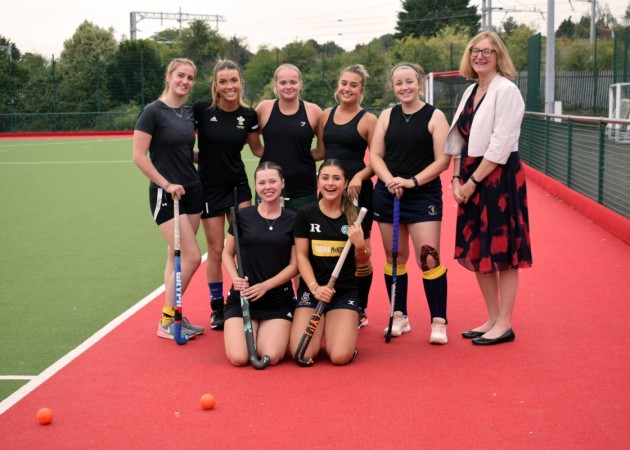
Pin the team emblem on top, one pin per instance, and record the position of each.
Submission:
(241, 122)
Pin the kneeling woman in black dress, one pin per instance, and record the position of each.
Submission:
(269, 264)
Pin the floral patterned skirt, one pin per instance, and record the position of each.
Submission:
(493, 227)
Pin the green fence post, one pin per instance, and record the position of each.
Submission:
(569, 153)
(547, 138)
(602, 148)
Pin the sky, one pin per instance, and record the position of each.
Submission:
(42, 26)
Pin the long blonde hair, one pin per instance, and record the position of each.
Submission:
(172, 66)
(505, 66)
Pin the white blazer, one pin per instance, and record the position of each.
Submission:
(497, 124)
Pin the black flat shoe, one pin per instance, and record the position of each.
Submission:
(508, 336)
(470, 334)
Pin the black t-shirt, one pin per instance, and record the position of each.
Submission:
(327, 238)
(265, 252)
(172, 141)
(222, 136)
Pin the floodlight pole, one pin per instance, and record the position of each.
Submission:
(550, 60)
(137, 16)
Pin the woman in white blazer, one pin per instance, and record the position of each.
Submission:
(492, 235)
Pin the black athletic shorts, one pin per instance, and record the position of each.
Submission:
(218, 200)
(281, 307)
(162, 203)
(416, 205)
(347, 300)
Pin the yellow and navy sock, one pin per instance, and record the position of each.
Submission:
(435, 288)
(402, 282)
(364, 276)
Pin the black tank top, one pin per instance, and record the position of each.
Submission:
(343, 142)
(408, 144)
(288, 141)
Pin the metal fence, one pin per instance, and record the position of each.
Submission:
(590, 155)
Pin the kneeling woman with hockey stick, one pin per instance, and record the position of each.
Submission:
(268, 261)
(321, 231)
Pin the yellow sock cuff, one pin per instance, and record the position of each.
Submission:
(364, 271)
(434, 273)
(401, 269)
(168, 311)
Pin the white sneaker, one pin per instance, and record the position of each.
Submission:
(438, 331)
(400, 325)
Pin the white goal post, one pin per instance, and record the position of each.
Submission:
(619, 109)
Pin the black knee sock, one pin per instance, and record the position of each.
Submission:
(435, 288)
(402, 281)
(364, 283)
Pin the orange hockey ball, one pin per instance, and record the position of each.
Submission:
(207, 401)
(44, 416)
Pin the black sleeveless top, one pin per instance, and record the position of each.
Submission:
(288, 141)
(408, 143)
(343, 142)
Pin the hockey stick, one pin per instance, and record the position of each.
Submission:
(319, 308)
(177, 323)
(247, 320)
(396, 226)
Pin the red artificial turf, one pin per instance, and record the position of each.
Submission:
(563, 383)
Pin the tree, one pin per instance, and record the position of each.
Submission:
(237, 51)
(83, 68)
(203, 45)
(509, 25)
(136, 73)
(427, 17)
(516, 43)
(259, 72)
(566, 28)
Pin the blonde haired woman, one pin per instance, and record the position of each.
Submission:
(166, 130)
(408, 156)
(288, 126)
(492, 234)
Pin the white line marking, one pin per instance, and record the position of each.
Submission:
(72, 355)
(61, 162)
(16, 377)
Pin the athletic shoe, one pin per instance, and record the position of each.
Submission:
(400, 325)
(167, 331)
(216, 319)
(363, 320)
(192, 330)
(356, 353)
(438, 331)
